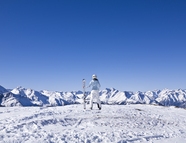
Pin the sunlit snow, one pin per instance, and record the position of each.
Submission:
(114, 123)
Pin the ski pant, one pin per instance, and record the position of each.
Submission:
(95, 94)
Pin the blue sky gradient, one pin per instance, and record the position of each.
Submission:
(131, 45)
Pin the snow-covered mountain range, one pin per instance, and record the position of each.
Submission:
(28, 97)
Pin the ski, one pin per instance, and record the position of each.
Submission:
(84, 104)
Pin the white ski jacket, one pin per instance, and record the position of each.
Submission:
(95, 84)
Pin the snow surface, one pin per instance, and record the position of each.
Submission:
(114, 123)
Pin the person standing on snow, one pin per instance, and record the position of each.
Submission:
(94, 83)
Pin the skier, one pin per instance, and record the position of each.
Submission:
(95, 91)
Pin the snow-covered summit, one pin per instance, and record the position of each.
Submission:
(72, 124)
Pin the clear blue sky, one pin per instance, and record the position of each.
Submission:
(132, 45)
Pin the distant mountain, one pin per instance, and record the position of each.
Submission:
(28, 97)
(9, 100)
(3, 90)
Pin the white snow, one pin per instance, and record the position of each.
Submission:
(40, 116)
(114, 123)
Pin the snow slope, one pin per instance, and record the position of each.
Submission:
(28, 97)
(114, 123)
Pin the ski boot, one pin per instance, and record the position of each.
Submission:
(98, 106)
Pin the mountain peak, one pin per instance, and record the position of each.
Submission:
(29, 97)
(20, 87)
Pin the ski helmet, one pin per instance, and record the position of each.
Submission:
(94, 76)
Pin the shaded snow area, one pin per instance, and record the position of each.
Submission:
(3, 90)
(114, 123)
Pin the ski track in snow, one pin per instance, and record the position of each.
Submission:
(114, 123)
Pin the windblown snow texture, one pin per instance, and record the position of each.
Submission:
(115, 123)
(29, 97)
